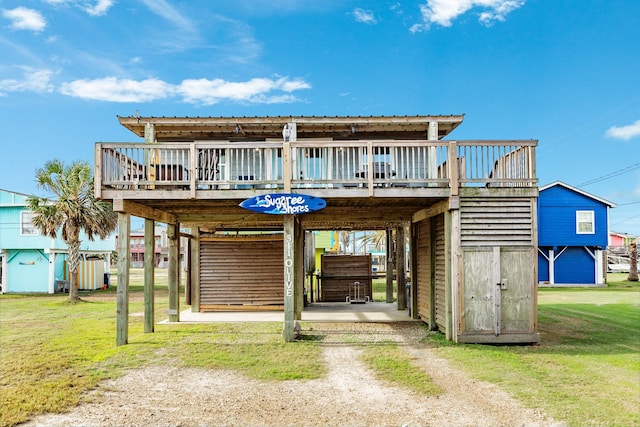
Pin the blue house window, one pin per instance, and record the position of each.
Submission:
(585, 222)
(26, 226)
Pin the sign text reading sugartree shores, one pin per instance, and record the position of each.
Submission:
(284, 204)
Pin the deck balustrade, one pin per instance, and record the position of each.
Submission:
(197, 166)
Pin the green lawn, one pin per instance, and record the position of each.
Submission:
(585, 372)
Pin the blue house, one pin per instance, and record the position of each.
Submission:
(31, 262)
(573, 231)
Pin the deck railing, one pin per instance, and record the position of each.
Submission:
(196, 166)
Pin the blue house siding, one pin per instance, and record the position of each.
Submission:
(566, 256)
(575, 266)
(25, 258)
(29, 271)
(557, 207)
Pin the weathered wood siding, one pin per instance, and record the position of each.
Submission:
(440, 275)
(241, 273)
(424, 271)
(339, 272)
(497, 240)
(496, 221)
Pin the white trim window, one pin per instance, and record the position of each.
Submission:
(26, 226)
(585, 222)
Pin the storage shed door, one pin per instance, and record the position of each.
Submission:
(241, 274)
(498, 297)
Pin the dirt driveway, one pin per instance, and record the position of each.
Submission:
(349, 395)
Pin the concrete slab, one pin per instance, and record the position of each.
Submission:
(317, 312)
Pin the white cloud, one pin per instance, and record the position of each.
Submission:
(195, 91)
(257, 90)
(168, 12)
(624, 133)
(443, 12)
(100, 8)
(23, 18)
(35, 80)
(112, 89)
(364, 16)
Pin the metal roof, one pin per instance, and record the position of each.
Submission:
(260, 128)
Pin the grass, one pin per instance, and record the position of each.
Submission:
(585, 372)
(393, 365)
(53, 352)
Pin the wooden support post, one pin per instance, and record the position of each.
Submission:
(122, 294)
(413, 252)
(173, 234)
(448, 273)
(149, 279)
(457, 285)
(299, 268)
(401, 256)
(288, 332)
(195, 271)
(389, 274)
(187, 276)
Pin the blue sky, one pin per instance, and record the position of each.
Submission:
(564, 72)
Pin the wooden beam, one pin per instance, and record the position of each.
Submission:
(149, 276)
(122, 294)
(142, 211)
(174, 272)
(431, 211)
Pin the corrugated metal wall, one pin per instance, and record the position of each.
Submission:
(241, 274)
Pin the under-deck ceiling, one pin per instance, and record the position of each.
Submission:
(262, 128)
(340, 213)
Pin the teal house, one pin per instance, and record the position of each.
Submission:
(31, 262)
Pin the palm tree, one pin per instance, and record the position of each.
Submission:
(74, 209)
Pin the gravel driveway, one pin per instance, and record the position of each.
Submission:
(349, 395)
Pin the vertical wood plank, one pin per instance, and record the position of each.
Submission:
(401, 252)
(413, 251)
(389, 274)
(149, 276)
(298, 269)
(174, 272)
(195, 271)
(457, 282)
(122, 295)
(289, 278)
(448, 276)
(497, 298)
(187, 276)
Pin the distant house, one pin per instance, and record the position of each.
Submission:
(161, 248)
(620, 239)
(31, 262)
(573, 232)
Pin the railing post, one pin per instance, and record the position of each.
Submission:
(453, 167)
(286, 166)
(193, 168)
(370, 171)
(97, 177)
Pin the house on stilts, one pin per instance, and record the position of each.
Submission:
(468, 209)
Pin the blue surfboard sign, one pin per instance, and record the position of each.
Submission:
(284, 204)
